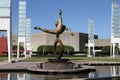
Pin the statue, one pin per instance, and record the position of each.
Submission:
(60, 28)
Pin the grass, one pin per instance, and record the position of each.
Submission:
(74, 58)
(3, 58)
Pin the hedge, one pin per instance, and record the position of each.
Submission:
(48, 49)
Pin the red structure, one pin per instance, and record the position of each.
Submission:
(4, 49)
(3, 45)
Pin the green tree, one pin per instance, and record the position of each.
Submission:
(15, 47)
(40, 49)
(106, 50)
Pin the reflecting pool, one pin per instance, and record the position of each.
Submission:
(101, 72)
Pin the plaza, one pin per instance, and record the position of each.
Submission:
(27, 20)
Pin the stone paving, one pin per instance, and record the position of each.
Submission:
(18, 65)
(5, 65)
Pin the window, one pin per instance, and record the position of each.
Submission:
(5, 3)
(5, 8)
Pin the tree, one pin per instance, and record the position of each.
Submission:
(15, 47)
(106, 50)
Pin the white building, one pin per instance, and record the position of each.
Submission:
(6, 24)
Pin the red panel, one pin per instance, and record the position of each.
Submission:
(3, 45)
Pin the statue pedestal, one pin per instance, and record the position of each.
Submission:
(58, 64)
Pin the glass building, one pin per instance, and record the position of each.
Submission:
(115, 29)
(22, 18)
(91, 51)
(90, 31)
(115, 20)
(28, 30)
(28, 33)
(24, 28)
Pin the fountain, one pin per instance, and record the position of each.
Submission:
(58, 65)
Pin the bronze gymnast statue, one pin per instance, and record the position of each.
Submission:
(60, 28)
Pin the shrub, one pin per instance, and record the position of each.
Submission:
(15, 47)
(69, 50)
(48, 49)
(45, 49)
(106, 50)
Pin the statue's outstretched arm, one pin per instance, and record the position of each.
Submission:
(60, 19)
(60, 16)
(69, 30)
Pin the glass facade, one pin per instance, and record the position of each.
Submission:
(5, 8)
(115, 20)
(28, 30)
(22, 18)
(91, 32)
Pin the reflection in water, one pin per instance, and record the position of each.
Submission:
(93, 75)
(115, 70)
(105, 71)
(4, 76)
(101, 71)
(27, 76)
(21, 76)
(8, 78)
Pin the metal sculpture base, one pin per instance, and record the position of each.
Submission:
(59, 55)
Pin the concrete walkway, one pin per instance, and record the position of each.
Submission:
(17, 65)
(6, 61)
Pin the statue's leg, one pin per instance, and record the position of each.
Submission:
(51, 31)
(39, 28)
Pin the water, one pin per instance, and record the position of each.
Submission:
(101, 72)
(28, 76)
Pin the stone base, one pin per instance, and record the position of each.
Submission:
(58, 65)
(58, 60)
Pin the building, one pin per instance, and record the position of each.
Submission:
(115, 28)
(99, 44)
(91, 37)
(22, 25)
(6, 23)
(77, 41)
(24, 28)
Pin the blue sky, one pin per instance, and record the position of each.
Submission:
(75, 14)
